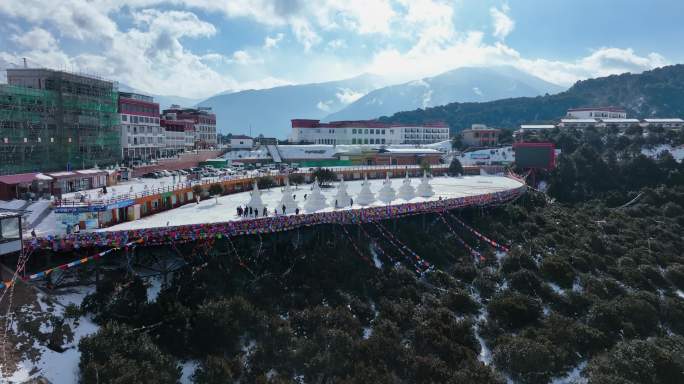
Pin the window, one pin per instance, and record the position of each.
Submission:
(372, 141)
(383, 131)
(372, 131)
(383, 141)
(124, 117)
(366, 131)
(353, 141)
(354, 131)
(365, 141)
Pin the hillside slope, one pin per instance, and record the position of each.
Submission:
(468, 84)
(659, 92)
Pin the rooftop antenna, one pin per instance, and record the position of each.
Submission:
(25, 65)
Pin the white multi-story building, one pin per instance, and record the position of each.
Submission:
(142, 138)
(578, 123)
(366, 132)
(596, 113)
(241, 142)
(668, 123)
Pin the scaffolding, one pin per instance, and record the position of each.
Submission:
(27, 129)
(71, 122)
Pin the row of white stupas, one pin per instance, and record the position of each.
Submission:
(316, 201)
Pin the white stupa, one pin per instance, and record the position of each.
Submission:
(387, 193)
(287, 200)
(424, 188)
(255, 201)
(342, 197)
(315, 201)
(406, 190)
(365, 197)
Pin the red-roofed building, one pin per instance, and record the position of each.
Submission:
(19, 185)
(142, 138)
(204, 124)
(371, 132)
(479, 135)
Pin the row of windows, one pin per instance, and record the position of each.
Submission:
(138, 108)
(484, 134)
(368, 141)
(143, 140)
(140, 119)
(143, 129)
(372, 131)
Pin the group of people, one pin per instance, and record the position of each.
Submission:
(254, 212)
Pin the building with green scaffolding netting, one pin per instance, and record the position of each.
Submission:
(55, 120)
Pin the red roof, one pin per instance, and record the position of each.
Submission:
(18, 178)
(310, 123)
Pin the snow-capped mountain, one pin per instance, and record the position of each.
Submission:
(268, 111)
(462, 85)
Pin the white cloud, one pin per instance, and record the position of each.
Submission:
(418, 38)
(337, 44)
(305, 34)
(243, 58)
(503, 24)
(213, 58)
(149, 56)
(470, 50)
(272, 42)
(324, 105)
(348, 96)
(78, 19)
(36, 38)
(601, 62)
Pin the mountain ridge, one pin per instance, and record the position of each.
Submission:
(465, 84)
(658, 92)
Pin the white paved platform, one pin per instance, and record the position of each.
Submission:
(208, 211)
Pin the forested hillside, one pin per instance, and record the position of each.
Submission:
(659, 92)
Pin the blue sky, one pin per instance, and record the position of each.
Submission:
(196, 48)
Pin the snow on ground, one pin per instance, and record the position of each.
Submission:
(189, 367)
(485, 355)
(376, 260)
(209, 212)
(58, 368)
(573, 377)
(36, 208)
(126, 187)
(153, 289)
(677, 152)
(556, 288)
(12, 204)
(576, 286)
